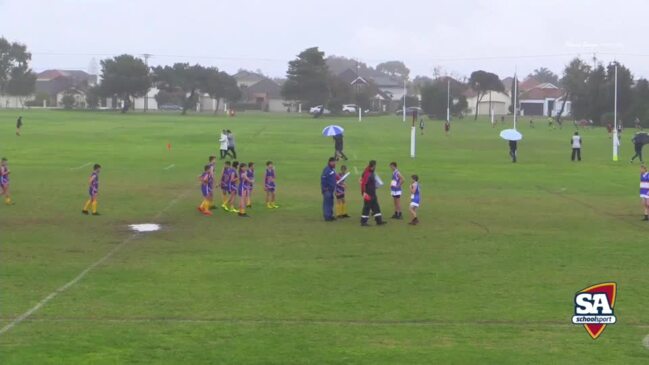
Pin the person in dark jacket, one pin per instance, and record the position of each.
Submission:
(637, 145)
(328, 187)
(19, 125)
(338, 145)
(370, 200)
(513, 149)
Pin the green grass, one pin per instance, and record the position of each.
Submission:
(487, 277)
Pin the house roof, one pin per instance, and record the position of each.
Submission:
(539, 93)
(75, 75)
(528, 84)
(348, 76)
(248, 76)
(266, 86)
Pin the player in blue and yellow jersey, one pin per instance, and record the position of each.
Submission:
(225, 184)
(93, 191)
(206, 190)
(644, 191)
(4, 181)
(212, 163)
(341, 186)
(269, 185)
(243, 189)
(251, 177)
(414, 199)
(234, 185)
(395, 190)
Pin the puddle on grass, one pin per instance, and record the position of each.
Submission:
(145, 227)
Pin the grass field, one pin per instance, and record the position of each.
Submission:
(488, 277)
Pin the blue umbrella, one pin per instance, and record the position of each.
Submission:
(332, 130)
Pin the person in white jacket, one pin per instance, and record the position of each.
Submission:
(223, 140)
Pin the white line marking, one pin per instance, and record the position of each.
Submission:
(82, 274)
(169, 167)
(355, 170)
(82, 166)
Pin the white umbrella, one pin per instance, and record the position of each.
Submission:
(332, 130)
(511, 135)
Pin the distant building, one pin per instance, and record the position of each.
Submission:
(542, 99)
(499, 102)
(55, 83)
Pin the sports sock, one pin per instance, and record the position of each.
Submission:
(94, 206)
(86, 207)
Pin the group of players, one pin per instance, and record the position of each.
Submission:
(237, 182)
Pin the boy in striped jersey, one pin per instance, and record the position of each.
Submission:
(395, 190)
(243, 189)
(212, 164)
(269, 186)
(341, 186)
(644, 191)
(234, 185)
(93, 191)
(4, 181)
(225, 184)
(251, 177)
(414, 199)
(206, 190)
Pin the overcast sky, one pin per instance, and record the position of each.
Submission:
(458, 36)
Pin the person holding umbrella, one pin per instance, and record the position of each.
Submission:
(338, 146)
(369, 183)
(328, 188)
(336, 132)
(639, 140)
(513, 136)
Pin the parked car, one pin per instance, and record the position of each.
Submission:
(319, 109)
(410, 110)
(350, 108)
(170, 107)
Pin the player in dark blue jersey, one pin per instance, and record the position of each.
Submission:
(93, 191)
(269, 186)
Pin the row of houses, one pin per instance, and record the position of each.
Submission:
(262, 93)
(535, 99)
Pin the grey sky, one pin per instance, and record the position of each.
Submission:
(458, 36)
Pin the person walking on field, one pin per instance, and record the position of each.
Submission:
(513, 150)
(223, 144)
(338, 146)
(19, 125)
(328, 188)
(637, 145)
(231, 144)
(370, 200)
(575, 142)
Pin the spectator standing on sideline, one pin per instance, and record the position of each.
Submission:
(421, 125)
(370, 200)
(575, 142)
(328, 187)
(19, 125)
(637, 145)
(338, 146)
(513, 150)
(223, 141)
(231, 144)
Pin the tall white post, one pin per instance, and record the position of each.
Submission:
(405, 92)
(413, 133)
(448, 100)
(360, 113)
(515, 100)
(615, 136)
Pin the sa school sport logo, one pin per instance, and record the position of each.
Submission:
(594, 308)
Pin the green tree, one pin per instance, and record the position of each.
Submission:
(640, 105)
(341, 93)
(482, 82)
(515, 95)
(597, 94)
(220, 85)
(394, 68)
(68, 101)
(545, 75)
(434, 97)
(307, 78)
(125, 76)
(191, 79)
(574, 82)
(16, 78)
(93, 94)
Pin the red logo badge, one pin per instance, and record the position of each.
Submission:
(594, 308)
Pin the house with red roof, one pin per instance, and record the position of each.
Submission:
(542, 99)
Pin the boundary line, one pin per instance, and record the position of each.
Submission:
(83, 273)
(82, 166)
(169, 167)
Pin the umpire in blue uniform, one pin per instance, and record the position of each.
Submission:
(328, 186)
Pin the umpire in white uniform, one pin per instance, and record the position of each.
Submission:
(575, 142)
